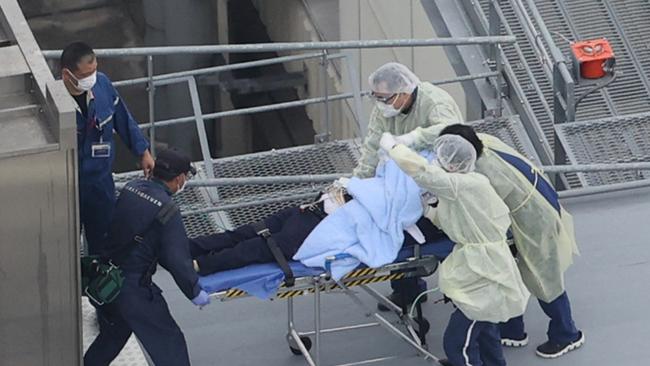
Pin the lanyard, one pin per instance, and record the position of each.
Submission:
(533, 175)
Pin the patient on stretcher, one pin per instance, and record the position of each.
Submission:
(289, 228)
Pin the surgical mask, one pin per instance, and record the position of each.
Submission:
(181, 188)
(86, 83)
(388, 110)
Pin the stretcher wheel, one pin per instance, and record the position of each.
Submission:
(294, 347)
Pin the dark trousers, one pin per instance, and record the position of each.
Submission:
(561, 328)
(96, 204)
(242, 246)
(409, 288)
(469, 342)
(141, 310)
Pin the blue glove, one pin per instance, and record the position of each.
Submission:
(202, 299)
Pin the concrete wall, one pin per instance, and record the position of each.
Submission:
(288, 21)
(387, 19)
(291, 21)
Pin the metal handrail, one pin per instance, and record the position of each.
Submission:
(292, 104)
(322, 178)
(592, 168)
(222, 68)
(608, 188)
(292, 46)
(556, 53)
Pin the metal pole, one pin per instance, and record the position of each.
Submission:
(278, 179)
(494, 26)
(290, 323)
(353, 78)
(326, 103)
(272, 179)
(317, 324)
(579, 192)
(234, 206)
(222, 68)
(499, 110)
(267, 108)
(495, 29)
(200, 126)
(277, 106)
(291, 46)
(458, 79)
(324, 178)
(596, 167)
(150, 92)
(556, 53)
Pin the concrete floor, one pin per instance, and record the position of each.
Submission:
(607, 285)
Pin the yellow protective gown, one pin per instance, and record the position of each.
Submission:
(433, 109)
(544, 239)
(480, 274)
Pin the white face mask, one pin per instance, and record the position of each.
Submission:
(181, 188)
(388, 110)
(86, 83)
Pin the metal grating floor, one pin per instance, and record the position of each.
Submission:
(613, 140)
(509, 130)
(329, 158)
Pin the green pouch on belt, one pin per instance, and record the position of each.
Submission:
(101, 281)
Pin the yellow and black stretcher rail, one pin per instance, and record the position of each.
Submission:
(361, 276)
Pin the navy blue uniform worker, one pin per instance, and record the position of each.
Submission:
(140, 307)
(100, 112)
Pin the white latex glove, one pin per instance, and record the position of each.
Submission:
(342, 182)
(407, 139)
(387, 141)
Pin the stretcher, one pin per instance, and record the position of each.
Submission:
(413, 261)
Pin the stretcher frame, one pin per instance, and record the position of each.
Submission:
(414, 328)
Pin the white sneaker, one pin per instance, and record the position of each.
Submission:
(510, 342)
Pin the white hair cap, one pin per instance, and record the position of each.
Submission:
(393, 78)
(455, 154)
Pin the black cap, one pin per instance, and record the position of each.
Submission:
(171, 163)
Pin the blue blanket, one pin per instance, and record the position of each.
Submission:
(369, 228)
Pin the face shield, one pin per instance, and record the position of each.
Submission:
(455, 154)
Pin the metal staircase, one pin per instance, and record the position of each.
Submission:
(543, 27)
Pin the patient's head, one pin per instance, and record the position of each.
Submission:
(466, 132)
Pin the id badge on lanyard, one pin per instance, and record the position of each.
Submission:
(100, 149)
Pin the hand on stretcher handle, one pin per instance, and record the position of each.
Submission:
(201, 300)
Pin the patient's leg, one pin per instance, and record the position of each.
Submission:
(202, 245)
(216, 242)
(289, 228)
(250, 251)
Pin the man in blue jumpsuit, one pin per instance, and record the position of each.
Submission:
(100, 112)
(142, 241)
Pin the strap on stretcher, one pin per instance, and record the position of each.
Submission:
(263, 231)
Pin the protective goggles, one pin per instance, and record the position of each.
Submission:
(386, 100)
